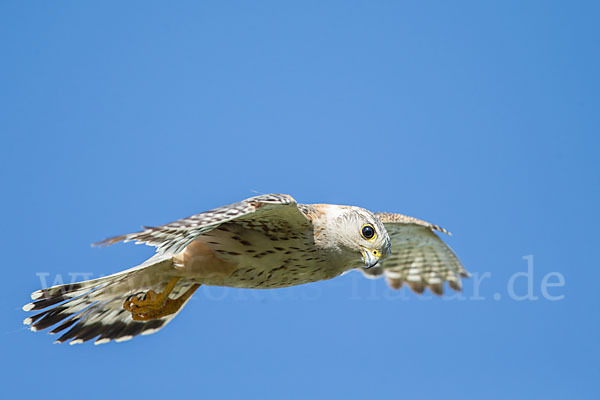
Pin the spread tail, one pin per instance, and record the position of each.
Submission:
(94, 308)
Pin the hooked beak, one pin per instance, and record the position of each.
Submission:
(370, 257)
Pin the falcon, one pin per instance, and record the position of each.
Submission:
(264, 242)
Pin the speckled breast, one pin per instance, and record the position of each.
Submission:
(259, 258)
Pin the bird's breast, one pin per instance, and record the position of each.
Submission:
(249, 259)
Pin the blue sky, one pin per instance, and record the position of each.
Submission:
(478, 116)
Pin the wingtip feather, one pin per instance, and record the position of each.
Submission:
(440, 229)
(37, 294)
(123, 338)
(109, 241)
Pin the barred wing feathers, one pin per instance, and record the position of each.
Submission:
(419, 257)
(175, 236)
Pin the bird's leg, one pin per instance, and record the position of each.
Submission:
(144, 302)
(170, 306)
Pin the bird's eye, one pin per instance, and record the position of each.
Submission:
(368, 232)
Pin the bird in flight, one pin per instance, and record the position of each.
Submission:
(264, 242)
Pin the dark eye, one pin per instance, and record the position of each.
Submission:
(368, 232)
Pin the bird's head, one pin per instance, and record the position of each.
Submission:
(360, 233)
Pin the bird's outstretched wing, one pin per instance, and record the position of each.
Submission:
(175, 236)
(419, 257)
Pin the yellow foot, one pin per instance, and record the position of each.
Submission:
(145, 302)
(151, 305)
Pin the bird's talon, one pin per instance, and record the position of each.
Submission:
(147, 304)
(169, 306)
